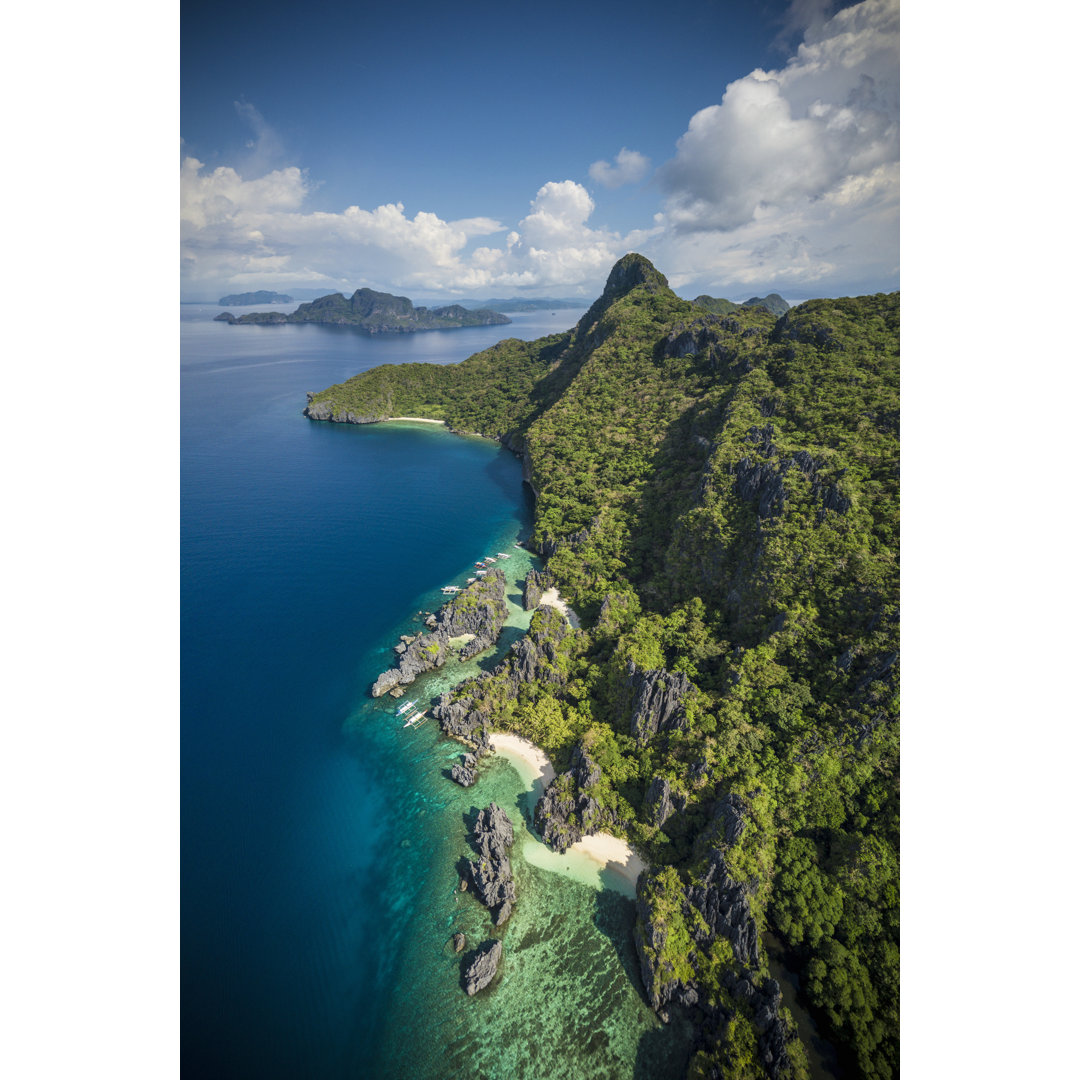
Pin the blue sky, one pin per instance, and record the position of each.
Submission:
(500, 150)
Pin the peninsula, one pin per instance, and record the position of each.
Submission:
(374, 313)
(717, 497)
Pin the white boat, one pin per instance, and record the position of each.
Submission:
(503, 555)
(406, 707)
(414, 720)
(451, 588)
(488, 558)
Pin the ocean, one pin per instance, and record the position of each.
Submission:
(321, 842)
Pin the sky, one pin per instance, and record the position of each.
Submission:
(493, 150)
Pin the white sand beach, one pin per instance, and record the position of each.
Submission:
(415, 419)
(553, 599)
(530, 761)
(600, 860)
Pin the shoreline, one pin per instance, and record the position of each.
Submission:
(414, 419)
(608, 852)
(552, 598)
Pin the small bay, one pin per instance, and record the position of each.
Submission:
(321, 841)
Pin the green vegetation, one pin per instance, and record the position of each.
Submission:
(718, 496)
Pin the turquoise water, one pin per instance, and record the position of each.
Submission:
(320, 841)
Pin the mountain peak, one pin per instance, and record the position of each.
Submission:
(629, 272)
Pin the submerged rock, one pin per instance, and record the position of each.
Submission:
(483, 967)
(458, 942)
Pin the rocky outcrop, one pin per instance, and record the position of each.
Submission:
(658, 806)
(536, 584)
(724, 910)
(465, 773)
(568, 809)
(725, 907)
(534, 658)
(458, 942)
(479, 610)
(482, 967)
(491, 874)
(711, 339)
(657, 701)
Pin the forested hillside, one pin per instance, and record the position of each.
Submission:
(718, 496)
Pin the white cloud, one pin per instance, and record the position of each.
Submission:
(236, 231)
(792, 180)
(629, 168)
(794, 176)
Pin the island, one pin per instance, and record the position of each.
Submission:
(523, 303)
(774, 303)
(374, 313)
(717, 497)
(263, 296)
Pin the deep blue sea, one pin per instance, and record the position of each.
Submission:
(320, 842)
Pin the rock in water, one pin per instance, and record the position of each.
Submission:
(458, 941)
(465, 774)
(481, 970)
(491, 875)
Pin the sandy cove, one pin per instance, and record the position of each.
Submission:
(607, 851)
(553, 599)
(415, 419)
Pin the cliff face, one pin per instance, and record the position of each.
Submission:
(718, 497)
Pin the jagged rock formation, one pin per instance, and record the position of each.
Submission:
(536, 584)
(463, 712)
(374, 313)
(465, 773)
(568, 810)
(491, 874)
(458, 942)
(658, 805)
(658, 701)
(480, 610)
(482, 968)
(713, 907)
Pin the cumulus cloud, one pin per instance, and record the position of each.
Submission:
(629, 168)
(807, 151)
(236, 231)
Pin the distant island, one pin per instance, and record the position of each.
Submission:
(263, 296)
(774, 304)
(373, 312)
(521, 303)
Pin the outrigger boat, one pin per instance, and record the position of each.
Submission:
(406, 707)
(451, 588)
(415, 720)
(488, 559)
(503, 555)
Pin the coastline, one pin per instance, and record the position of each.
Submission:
(415, 420)
(552, 598)
(602, 851)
